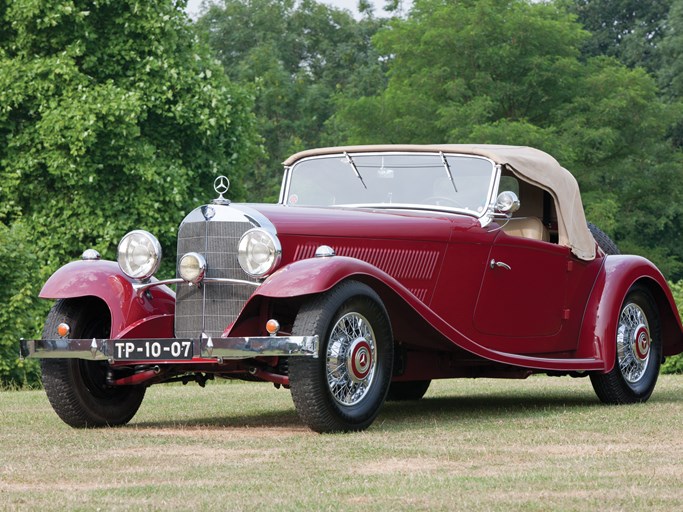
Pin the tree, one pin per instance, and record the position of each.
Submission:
(629, 30)
(298, 57)
(454, 66)
(18, 304)
(112, 117)
(670, 73)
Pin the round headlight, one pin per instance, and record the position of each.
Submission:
(192, 267)
(258, 252)
(139, 254)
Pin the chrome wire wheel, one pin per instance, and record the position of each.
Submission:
(633, 343)
(638, 351)
(351, 359)
(343, 388)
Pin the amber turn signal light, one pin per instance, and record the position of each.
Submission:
(63, 330)
(272, 326)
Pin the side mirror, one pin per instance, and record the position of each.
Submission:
(507, 203)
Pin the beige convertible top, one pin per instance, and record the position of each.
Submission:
(529, 164)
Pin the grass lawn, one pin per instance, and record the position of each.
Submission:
(476, 445)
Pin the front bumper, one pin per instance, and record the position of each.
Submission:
(171, 350)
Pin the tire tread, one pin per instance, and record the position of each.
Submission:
(312, 401)
(63, 383)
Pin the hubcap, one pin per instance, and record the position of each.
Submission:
(359, 359)
(351, 359)
(633, 343)
(641, 343)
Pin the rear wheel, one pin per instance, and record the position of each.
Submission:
(406, 391)
(344, 388)
(77, 389)
(638, 352)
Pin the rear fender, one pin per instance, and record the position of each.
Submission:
(149, 315)
(619, 274)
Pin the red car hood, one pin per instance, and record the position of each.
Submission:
(365, 222)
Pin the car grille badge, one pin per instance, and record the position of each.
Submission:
(208, 212)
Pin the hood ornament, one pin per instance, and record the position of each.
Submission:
(221, 186)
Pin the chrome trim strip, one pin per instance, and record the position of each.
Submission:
(216, 348)
(241, 348)
(141, 287)
(64, 348)
(256, 217)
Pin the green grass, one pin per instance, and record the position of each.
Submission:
(535, 445)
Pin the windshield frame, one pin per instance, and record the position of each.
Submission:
(490, 199)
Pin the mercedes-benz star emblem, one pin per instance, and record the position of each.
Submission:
(221, 185)
(208, 212)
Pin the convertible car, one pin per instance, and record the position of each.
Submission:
(380, 269)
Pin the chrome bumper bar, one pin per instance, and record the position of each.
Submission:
(170, 350)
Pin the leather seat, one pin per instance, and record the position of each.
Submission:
(527, 227)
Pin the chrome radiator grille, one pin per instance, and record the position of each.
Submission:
(213, 306)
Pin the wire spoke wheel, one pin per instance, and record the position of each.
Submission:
(638, 352)
(343, 389)
(633, 343)
(351, 359)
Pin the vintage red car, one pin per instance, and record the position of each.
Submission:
(379, 269)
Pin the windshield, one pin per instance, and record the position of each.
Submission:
(429, 180)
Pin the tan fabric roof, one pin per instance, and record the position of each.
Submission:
(528, 164)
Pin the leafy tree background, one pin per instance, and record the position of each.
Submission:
(112, 117)
(116, 115)
(296, 57)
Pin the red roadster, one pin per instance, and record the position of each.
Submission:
(380, 269)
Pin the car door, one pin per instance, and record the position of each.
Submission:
(523, 291)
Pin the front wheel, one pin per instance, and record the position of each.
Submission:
(638, 352)
(343, 389)
(77, 389)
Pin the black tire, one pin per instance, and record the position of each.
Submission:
(344, 388)
(604, 242)
(76, 388)
(638, 352)
(407, 391)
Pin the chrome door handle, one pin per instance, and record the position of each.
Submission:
(499, 264)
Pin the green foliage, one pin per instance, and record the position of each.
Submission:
(629, 30)
(457, 66)
(112, 117)
(297, 57)
(19, 304)
(670, 73)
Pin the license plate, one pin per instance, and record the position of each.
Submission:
(137, 350)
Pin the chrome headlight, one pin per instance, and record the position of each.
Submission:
(192, 267)
(139, 254)
(258, 252)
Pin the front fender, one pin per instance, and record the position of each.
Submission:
(316, 275)
(149, 315)
(619, 274)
